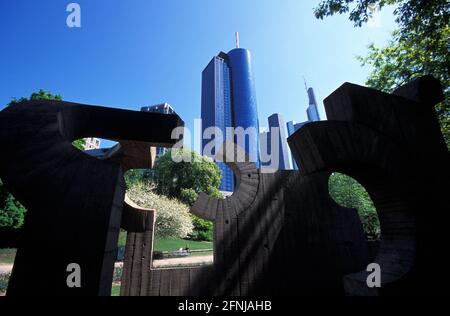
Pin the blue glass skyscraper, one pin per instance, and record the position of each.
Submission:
(229, 100)
(313, 116)
(283, 158)
(292, 127)
(312, 111)
(245, 113)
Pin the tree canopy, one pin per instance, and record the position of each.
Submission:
(404, 59)
(12, 213)
(411, 15)
(349, 193)
(420, 45)
(172, 217)
(184, 180)
(40, 95)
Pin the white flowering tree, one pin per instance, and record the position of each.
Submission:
(172, 217)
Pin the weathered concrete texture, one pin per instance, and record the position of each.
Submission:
(281, 234)
(139, 223)
(393, 145)
(74, 201)
(278, 234)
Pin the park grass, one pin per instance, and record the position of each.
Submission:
(7, 256)
(161, 244)
(171, 244)
(122, 238)
(115, 290)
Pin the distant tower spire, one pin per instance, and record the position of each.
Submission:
(237, 39)
(306, 86)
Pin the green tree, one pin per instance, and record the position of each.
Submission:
(411, 15)
(203, 229)
(12, 213)
(133, 177)
(45, 95)
(347, 192)
(404, 59)
(172, 217)
(79, 144)
(184, 180)
(40, 95)
(419, 47)
(188, 196)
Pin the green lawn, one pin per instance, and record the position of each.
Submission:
(115, 291)
(7, 256)
(165, 244)
(122, 238)
(170, 244)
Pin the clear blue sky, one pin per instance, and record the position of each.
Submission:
(134, 53)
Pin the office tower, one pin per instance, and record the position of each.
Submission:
(283, 156)
(91, 143)
(265, 149)
(164, 108)
(312, 111)
(313, 116)
(292, 127)
(229, 100)
(291, 130)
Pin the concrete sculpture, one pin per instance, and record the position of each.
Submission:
(74, 201)
(281, 234)
(278, 234)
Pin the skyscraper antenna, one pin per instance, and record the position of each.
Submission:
(237, 39)
(306, 86)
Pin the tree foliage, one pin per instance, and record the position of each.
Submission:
(347, 192)
(12, 213)
(40, 95)
(184, 180)
(188, 196)
(419, 47)
(404, 59)
(411, 15)
(172, 217)
(134, 176)
(203, 229)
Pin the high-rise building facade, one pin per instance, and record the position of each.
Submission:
(164, 108)
(229, 100)
(312, 111)
(280, 154)
(91, 143)
(265, 149)
(313, 116)
(292, 127)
